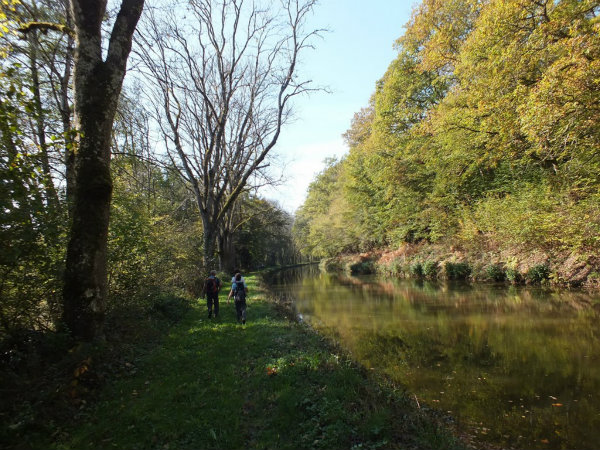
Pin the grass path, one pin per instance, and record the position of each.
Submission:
(270, 384)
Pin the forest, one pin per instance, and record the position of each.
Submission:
(480, 143)
(176, 169)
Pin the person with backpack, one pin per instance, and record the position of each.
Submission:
(235, 272)
(212, 285)
(239, 290)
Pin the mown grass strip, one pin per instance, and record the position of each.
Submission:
(213, 383)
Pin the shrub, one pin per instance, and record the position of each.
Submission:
(362, 268)
(538, 273)
(396, 267)
(170, 307)
(513, 275)
(430, 268)
(457, 271)
(416, 269)
(495, 272)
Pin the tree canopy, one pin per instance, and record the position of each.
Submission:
(483, 129)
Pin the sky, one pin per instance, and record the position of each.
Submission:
(350, 57)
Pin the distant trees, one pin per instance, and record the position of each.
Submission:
(262, 236)
(480, 132)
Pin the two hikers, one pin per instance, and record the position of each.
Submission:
(239, 291)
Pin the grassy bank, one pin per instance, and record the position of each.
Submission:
(269, 384)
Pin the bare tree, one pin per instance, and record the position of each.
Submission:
(224, 74)
(97, 85)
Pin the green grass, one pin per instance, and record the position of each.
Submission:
(269, 384)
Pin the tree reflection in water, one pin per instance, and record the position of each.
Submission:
(515, 366)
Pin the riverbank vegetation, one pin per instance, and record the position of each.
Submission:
(479, 146)
(214, 383)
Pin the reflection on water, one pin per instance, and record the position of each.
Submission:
(518, 367)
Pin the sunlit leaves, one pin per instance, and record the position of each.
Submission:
(484, 125)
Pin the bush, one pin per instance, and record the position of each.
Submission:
(396, 267)
(538, 273)
(495, 272)
(362, 268)
(430, 268)
(170, 307)
(416, 269)
(513, 276)
(457, 271)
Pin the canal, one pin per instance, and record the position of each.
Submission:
(515, 366)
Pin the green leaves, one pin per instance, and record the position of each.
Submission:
(489, 104)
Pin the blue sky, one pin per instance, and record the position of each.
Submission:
(349, 59)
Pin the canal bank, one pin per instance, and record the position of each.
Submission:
(515, 366)
(273, 383)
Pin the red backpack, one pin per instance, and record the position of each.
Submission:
(212, 285)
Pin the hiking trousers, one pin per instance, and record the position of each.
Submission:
(212, 301)
(240, 310)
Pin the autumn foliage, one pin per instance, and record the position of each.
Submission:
(482, 133)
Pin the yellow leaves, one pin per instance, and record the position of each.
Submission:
(6, 8)
(438, 30)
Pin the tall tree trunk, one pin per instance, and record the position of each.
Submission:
(210, 234)
(97, 88)
(40, 122)
(227, 258)
(66, 113)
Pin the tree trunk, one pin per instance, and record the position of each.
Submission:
(227, 258)
(97, 88)
(66, 114)
(40, 131)
(85, 277)
(209, 244)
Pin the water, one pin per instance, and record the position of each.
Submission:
(517, 367)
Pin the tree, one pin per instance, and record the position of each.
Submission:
(31, 226)
(482, 132)
(224, 95)
(43, 50)
(97, 85)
